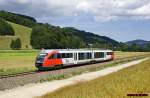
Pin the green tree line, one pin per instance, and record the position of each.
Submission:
(15, 44)
(5, 28)
(134, 47)
(18, 19)
(48, 36)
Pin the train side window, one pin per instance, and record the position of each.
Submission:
(53, 56)
(62, 55)
(99, 55)
(89, 55)
(109, 53)
(81, 56)
(58, 55)
(96, 55)
(70, 55)
(66, 55)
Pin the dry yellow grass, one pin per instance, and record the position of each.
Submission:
(120, 54)
(134, 79)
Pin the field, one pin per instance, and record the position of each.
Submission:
(119, 54)
(134, 79)
(17, 61)
(20, 31)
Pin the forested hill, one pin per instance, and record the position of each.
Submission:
(49, 36)
(18, 18)
(139, 42)
(44, 35)
(91, 37)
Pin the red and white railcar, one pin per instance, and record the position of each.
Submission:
(66, 57)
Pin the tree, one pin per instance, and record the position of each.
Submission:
(17, 18)
(48, 37)
(134, 47)
(148, 47)
(5, 28)
(12, 45)
(18, 43)
(15, 44)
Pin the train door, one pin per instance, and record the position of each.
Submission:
(75, 58)
(105, 55)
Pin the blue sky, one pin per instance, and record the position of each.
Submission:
(122, 20)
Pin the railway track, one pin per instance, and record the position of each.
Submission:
(35, 72)
(18, 74)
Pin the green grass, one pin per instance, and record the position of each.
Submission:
(134, 79)
(14, 71)
(5, 42)
(21, 32)
(14, 61)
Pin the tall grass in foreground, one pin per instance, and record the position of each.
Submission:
(134, 79)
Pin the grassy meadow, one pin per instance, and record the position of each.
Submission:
(13, 61)
(21, 32)
(134, 79)
(120, 54)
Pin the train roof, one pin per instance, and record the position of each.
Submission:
(74, 50)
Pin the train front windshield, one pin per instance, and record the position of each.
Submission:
(40, 57)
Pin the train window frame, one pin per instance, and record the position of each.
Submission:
(55, 56)
(99, 55)
(81, 56)
(66, 55)
(109, 53)
(42, 55)
(58, 55)
(88, 55)
(62, 55)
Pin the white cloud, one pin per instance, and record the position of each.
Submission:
(101, 10)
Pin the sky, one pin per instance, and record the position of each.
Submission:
(122, 20)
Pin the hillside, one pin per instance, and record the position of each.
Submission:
(50, 36)
(91, 37)
(139, 42)
(18, 18)
(22, 32)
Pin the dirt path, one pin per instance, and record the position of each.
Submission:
(32, 90)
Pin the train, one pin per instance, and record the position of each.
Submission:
(51, 58)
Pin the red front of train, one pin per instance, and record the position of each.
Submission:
(45, 60)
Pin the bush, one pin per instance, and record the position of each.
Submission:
(15, 44)
(5, 28)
